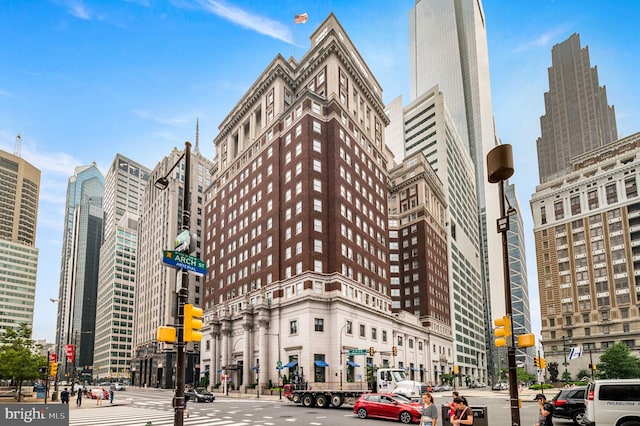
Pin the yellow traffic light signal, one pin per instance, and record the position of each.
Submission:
(372, 350)
(192, 323)
(395, 351)
(166, 334)
(502, 331)
(53, 369)
(526, 340)
(543, 363)
(536, 362)
(456, 370)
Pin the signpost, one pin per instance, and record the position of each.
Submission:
(357, 352)
(184, 261)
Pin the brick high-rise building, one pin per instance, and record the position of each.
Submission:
(297, 228)
(577, 118)
(587, 232)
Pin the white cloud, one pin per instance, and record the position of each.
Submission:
(260, 24)
(78, 9)
(544, 40)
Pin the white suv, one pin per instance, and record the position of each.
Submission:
(612, 403)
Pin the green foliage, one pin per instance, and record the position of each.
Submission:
(19, 355)
(539, 386)
(447, 379)
(618, 363)
(552, 368)
(523, 376)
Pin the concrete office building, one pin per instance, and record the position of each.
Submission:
(79, 262)
(125, 183)
(418, 259)
(448, 48)
(587, 233)
(297, 228)
(577, 118)
(429, 129)
(19, 194)
(153, 363)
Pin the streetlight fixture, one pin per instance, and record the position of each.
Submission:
(183, 292)
(342, 352)
(564, 353)
(499, 169)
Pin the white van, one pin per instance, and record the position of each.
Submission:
(612, 403)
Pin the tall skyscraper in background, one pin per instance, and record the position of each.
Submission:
(81, 241)
(587, 233)
(19, 194)
(521, 318)
(429, 129)
(448, 49)
(155, 304)
(124, 186)
(577, 117)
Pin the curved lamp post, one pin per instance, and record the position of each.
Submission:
(499, 169)
(162, 184)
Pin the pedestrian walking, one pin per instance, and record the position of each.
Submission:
(429, 411)
(100, 397)
(111, 396)
(463, 414)
(79, 398)
(546, 411)
(64, 396)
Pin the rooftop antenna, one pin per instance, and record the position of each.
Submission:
(18, 149)
(197, 148)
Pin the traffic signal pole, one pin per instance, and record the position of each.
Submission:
(499, 169)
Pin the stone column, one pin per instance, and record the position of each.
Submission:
(266, 364)
(247, 354)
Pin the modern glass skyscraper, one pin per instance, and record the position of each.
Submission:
(577, 118)
(81, 243)
(124, 186)
(19, 194)
(448, 48)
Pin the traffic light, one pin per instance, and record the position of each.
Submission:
(395, 351)
(166, 334)
(592, 367)
(502, 331)
(536, 362)
(526, 340)
(192, 323)
(543, 363)
(456, 370)
(53, 369)
(372, 350)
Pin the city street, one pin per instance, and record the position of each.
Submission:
(137, 407)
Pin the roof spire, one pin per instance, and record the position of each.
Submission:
(197, 147)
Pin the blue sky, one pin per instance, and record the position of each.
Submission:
(82, 80)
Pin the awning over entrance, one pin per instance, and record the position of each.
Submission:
(320, 363)
(290, 365)
(353, 364)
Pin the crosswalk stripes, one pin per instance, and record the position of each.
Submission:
(132, 416)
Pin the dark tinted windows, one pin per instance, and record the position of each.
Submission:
(620, 392)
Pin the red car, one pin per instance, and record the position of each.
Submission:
(388, 406)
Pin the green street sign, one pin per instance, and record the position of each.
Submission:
(184, 261)
(357, 352)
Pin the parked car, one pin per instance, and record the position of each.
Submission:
(199, 395)
(387, 406)
(612, 402)
(118, 387)
(95, 392)
(569, 404)
(500, 386)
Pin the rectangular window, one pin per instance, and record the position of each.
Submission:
(362, 330)
(319, 324)
(575, 205)
(612, 193)
(293, 327)
(316, 127)
(592, 199)
(631, 187)
(559, 210)
(543, 215)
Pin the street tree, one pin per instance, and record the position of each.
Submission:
(618, 363)
(20, 359)
(552, 368)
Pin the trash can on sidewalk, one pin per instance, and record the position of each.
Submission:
(480, 416)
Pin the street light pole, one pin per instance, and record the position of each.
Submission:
(341, 353)
(564, 352)
(499, 169)
(183, 292)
